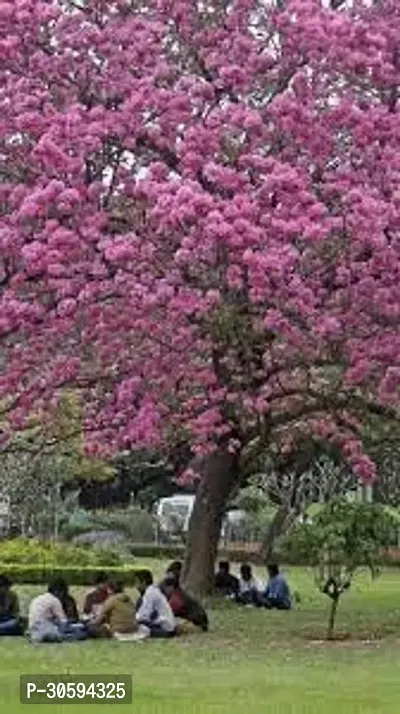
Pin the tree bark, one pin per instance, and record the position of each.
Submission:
(218, 475)
(277, 527)
(332, 617)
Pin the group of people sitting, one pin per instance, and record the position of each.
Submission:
(246, 590)
(162, 610)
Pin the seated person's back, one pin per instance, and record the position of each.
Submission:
(45, 608)
(226, 583)
(182, 604)
(118, 611)
(46, 618)
(69, 606)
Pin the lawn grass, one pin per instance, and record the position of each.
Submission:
(251, 662)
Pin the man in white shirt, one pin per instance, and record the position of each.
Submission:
(47, 621)
(249, 587)
(154, 615)
(46, 615)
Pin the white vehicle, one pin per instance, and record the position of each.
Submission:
(173, 516)
(234, 525)
(173, 513)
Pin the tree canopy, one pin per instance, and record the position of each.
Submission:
(199, 218)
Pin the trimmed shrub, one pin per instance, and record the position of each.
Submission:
(157, 550)
(31, 551)
(236, 554)
(41, 574)
(290, 554)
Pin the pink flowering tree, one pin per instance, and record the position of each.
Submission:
(199, 226)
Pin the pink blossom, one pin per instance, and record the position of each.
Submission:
(198, 241)
(66, 307)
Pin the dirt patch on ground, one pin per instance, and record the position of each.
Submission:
(346, 642)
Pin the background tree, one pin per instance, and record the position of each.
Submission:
(341, 538)
(139, 478)
(282, 489)
(387, 485)
(199, 226)
(382, 442)
(40, 464)
(314, 474)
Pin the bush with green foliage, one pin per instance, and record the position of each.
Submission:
(135, 524)
(26, 551)
(74, 575)
(176, 551)
(340, 539)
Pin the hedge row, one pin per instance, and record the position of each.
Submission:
(241, 553)
(85, 576)
(153, 550)
(238, 554)
(39, 574)
(235, 552)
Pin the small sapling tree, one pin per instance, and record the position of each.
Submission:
(343, 537)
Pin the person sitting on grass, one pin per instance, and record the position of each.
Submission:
(191, 615)
(154, 615)
(176, 568)
(10, 621)
(226, 583)
(117, 617)
(69, 606)
(249, 588)
(97, 597)
(73, 629)
(277, 593)
(47, 620)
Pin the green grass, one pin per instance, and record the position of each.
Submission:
(252, 662)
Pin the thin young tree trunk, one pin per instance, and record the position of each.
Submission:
(332, 617)
(219, 473)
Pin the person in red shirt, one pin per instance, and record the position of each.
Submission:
(184, 606)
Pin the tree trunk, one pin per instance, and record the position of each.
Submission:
(276, 528)
(332, 617)
(218, 475)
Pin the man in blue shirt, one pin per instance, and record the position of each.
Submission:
(277, 593)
